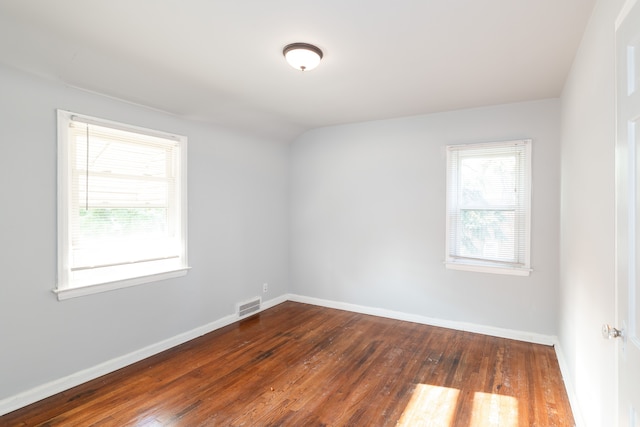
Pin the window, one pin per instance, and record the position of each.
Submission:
(121, 205)
(488, 207)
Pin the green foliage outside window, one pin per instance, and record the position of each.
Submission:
(115, 222)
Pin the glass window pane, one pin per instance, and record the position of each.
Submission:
(488, 180)
(487, 234)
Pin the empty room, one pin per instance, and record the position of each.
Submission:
(339, 213)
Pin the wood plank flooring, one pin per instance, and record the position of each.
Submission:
(303, 365)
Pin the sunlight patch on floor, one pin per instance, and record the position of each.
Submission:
(430, 406)
(435, 406)
(494, 410)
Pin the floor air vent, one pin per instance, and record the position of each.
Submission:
(249, 307)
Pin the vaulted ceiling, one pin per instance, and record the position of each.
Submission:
(220, 61)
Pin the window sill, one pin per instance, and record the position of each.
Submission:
(514, 271)
(67, 293)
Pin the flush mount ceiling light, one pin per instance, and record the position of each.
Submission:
(302, 56)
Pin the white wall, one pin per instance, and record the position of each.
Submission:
(587, 218)
(238, 227)
(368, 217)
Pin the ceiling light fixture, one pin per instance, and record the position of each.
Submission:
(302, 56)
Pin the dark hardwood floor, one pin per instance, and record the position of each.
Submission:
(302, 365)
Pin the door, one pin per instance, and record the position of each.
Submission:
(628, 213)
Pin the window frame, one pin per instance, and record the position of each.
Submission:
(151, 272)
(522, 267)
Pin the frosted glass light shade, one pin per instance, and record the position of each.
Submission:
(302, 56)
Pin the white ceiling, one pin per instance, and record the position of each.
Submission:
(221, 61)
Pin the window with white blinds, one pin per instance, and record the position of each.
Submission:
(488, 207)
(122, 205)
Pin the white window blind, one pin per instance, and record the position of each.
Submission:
(122, 207)
(488, 206)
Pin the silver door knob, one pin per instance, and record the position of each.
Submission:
(609, 332)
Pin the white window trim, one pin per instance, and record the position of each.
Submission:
(63, 288)
(67, 293)
(487, 266)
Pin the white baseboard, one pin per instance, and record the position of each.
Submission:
(568, 385)
(56, 386)
(415, 318)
